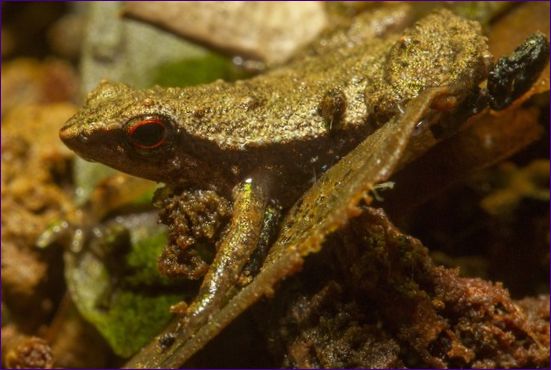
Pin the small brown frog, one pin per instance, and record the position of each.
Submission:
(270, 136)
(292, 122)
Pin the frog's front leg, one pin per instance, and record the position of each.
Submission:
(235, 248)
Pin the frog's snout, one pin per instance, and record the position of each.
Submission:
(67, 135)
(74, 138)
(92, 143)
(77, 142)
(64, 133)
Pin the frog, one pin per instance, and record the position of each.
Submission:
(268, 138)
(293, 121)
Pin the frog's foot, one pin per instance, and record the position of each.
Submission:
(195, 219)
(515, 74)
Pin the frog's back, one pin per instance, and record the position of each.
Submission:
(360, 84)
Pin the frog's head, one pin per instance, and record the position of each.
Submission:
(134, 131)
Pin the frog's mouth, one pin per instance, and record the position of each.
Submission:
(97, 145)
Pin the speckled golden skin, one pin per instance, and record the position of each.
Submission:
(297, 119)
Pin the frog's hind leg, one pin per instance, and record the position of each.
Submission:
(246, 237)
(235, 248)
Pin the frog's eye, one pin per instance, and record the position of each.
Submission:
(148, 132)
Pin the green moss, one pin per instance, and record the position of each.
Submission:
(116, 286)
(195, 71)
(133, 319)
(142, 259)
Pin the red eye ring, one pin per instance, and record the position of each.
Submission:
(147, 132)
